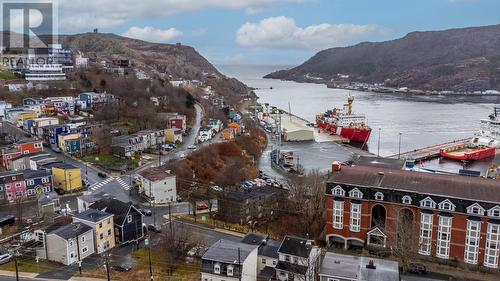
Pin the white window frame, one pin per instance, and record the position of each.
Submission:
(475, 209)
(85, 249)
(217, 268)
(406, 200)
(444, 237)
(355, 193)
(230, 270)
(379, 196)
(471, 253)
(31, 182)
(70, 242)
(355, 224)
(491, 250)
(425, 238)
(129, 218)
(45, 180)
(423, 203)
(338, 191)
(494, 212)
(446, 205)
(338, 214)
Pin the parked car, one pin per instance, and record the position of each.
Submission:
(102, 175)
(192, 146)
(417, 268)
(201, 206)
(216, 188)
(124, 267)
(147, 212)
(5, 258)
(154, 228)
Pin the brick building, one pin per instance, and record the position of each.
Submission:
(456, 218)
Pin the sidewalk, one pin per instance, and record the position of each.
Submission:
(28, 275)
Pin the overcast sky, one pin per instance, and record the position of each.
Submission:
(270, 31)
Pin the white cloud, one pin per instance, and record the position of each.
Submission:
(78, 14)
(151, 34)
(282, 32)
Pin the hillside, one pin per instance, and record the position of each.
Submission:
(464, 59)
(176, 60)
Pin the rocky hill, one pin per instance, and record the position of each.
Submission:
(465, 59)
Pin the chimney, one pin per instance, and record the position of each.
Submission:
(336, 166)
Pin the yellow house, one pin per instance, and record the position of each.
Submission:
(61, 138)
(25, 116)
(65, 176)
(173, 135)
(103, 225)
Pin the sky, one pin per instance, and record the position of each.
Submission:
(279, 32)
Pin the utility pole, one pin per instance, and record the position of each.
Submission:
(171, 223)
(14, 254)
(239, 265)
(149, 253)
(78, 249)
(399, 151)
(159, 155)
(378, 148)
(107, 267)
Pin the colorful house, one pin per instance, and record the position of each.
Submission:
(173, 135)
(66, 177)
(13, 186)
(62, 138)
(37, 182)
(32, 125)
(19, 148)
(51, 133)
(103, 225)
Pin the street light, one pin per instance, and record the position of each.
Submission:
(378, 149)
(399, 151)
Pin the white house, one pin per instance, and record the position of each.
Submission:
(158, 184)
(227, 260)
(298, 259)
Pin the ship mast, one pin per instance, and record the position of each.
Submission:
(350, 99)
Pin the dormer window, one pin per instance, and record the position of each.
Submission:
(494, 212)
(338, 191)
(406, 200)
(446, 205)
(475, 209)
(217, 268)
(379, 196)
(230, 270)
(355, 193)
(428, 203)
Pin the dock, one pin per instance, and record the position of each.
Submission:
(429, 152)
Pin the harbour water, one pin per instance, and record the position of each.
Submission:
(421, 120)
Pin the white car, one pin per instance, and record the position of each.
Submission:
(192, 146)
(5, 258)
(182, 156)
(217, 188)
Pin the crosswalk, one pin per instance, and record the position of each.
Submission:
(120, 181)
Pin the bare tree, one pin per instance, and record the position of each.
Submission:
(405, 239)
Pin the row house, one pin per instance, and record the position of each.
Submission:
(26, 185)
(128, 220)
(256, 257)
(128, 145)
(91, 100)
(228, 260)
(17, 116)
(457, 217)
(103, 228)
(32, 125)
(249, 205)
(67, 244)
(19, 148)
(12, 187)
(51, 133)
(298, 259)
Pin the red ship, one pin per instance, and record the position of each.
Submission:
(483, 145)
(345, 123)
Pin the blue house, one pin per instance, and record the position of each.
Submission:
(37, 182)
(51, 132)
(32, 101)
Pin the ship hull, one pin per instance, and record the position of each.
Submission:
(353, 134)
(476, 154)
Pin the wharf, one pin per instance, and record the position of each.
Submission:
(429, 152)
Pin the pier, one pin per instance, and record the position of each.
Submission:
(429, 152)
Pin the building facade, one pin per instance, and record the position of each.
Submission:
(103, 226)
(158, 185)
(456, 218)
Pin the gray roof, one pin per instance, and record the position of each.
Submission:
(353, 267)
(31, 174)
(296, 246)
(270, 249)
(254, 238)
(71, 230)
(226, 251)
(92, 215)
